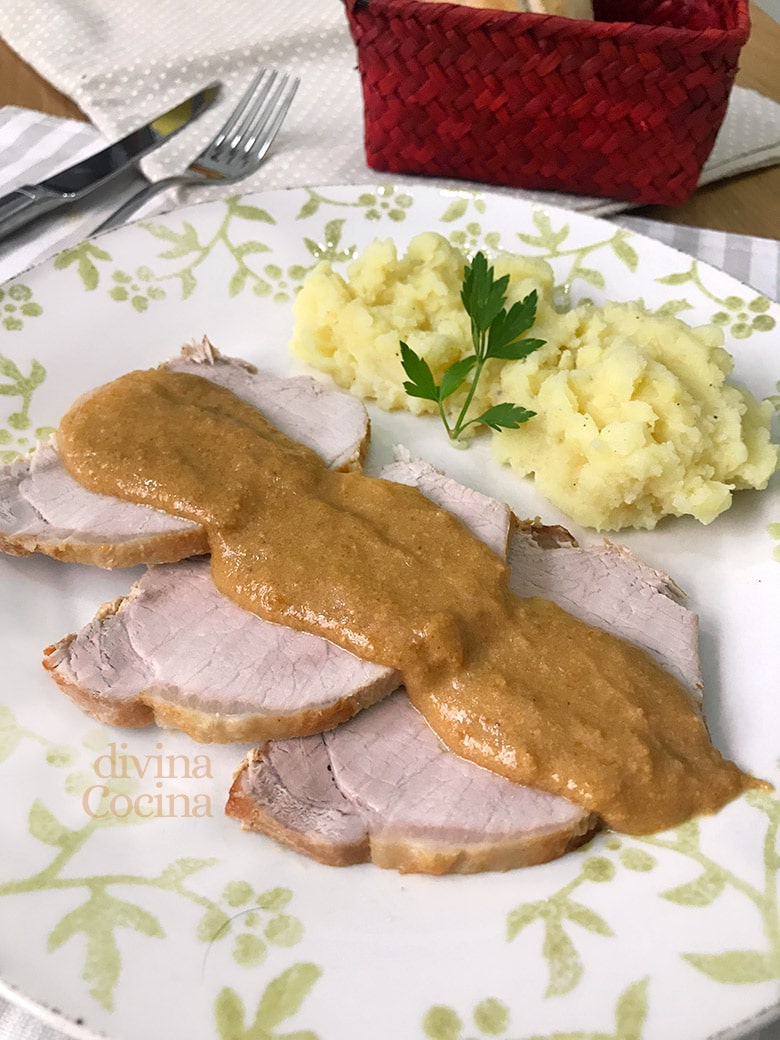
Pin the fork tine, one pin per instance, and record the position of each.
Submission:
(267, 116)
(263, 82)
(261, 105)
(261, 110)
(238, 149)
(271, 118)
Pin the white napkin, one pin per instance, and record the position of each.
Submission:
(123, 63)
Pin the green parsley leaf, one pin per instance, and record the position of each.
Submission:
(495, 333)
(507, 416)
(507, 326)
(517, 350)
(421, 382)
(482, 296)
(455, 376)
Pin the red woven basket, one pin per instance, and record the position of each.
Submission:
(626, 106)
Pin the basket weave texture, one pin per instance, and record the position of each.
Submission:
(626, 106)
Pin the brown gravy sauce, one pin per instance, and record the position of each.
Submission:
(518, 686)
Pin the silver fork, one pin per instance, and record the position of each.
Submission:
(238, 149)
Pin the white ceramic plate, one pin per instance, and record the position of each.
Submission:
(179, 925)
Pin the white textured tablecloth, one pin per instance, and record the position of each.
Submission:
(124, 62)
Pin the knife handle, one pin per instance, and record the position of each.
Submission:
(25, 204)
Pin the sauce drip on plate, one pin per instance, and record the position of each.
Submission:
(515, 685)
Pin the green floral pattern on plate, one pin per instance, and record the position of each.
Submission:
(255, 920)
(21, 388)
(559, 912)
(492, 1019)
(735, 966)
(16, 304)
(555, 913)
(741, 316)
(281, 999)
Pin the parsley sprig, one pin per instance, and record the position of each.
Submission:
(495, 332)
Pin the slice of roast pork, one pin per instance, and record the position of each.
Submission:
(43, 509)
(380, 787)
(607, 586)
(383, 789)
(178, 652)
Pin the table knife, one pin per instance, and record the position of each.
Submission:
(33, 200)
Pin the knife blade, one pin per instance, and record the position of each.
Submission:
(30, 201)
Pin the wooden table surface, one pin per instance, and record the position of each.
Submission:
(748, 204)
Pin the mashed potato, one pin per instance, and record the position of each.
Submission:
(635, 419)
(351, 328)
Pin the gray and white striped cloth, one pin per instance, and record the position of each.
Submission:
(33, 147)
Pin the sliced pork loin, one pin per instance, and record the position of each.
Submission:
(607, 586)
(382, 788)
(43, 509)
(603, 584)
(178, 652)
